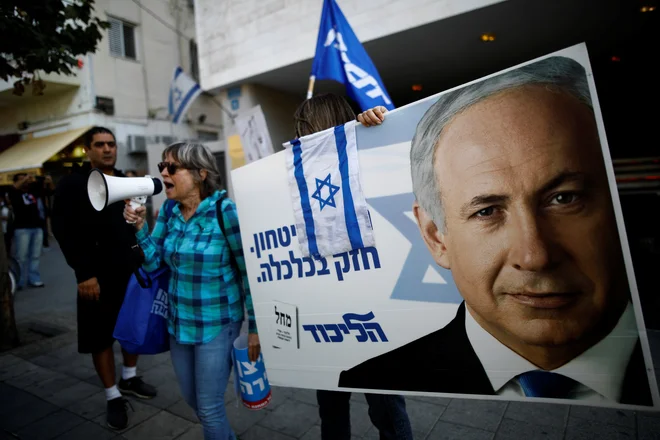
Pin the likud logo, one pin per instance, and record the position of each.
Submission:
(359, 325)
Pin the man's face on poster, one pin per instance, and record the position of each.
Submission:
(530, 234)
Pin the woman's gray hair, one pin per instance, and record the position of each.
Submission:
(557, 73)
(196, 157)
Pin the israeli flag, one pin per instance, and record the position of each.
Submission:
(183, 91)
(340, 57)
(330, 209)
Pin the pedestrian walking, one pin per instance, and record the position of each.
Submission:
(197, 234)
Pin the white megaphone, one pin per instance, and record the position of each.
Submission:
(105, 190)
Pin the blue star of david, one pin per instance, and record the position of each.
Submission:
(410, 285)
(177, 94)
(333, 189)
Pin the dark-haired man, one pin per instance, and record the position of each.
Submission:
(97, 246)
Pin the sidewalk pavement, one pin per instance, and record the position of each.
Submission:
(49, 391)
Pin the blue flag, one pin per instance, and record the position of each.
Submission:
(340, 57)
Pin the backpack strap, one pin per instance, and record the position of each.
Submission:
(169, 207)
(221, 222)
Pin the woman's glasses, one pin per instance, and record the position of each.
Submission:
(171, 167)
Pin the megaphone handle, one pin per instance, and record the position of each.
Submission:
(135, 203)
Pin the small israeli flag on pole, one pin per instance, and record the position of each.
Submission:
(329, 206)
(340, 57)
(183, 91)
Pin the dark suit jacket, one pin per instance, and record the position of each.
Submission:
(444, 362)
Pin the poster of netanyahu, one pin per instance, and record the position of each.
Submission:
(472, 245)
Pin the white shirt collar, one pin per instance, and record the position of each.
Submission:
(602, 368)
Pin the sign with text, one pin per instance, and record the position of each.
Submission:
(501, 269)
(252, 128)
(285, 326)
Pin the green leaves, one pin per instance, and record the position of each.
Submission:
(46, 35)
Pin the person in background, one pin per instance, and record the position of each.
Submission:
(98, 247)
(130, 173)
(387, 412)
(28, 238)
(206, 295)
(49, 191)
(43, 189)
(7, 216)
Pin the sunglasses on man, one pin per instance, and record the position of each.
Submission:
(171, 167)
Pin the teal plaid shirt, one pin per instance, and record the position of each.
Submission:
(204, 294)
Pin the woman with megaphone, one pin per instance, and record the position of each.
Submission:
(197, 235)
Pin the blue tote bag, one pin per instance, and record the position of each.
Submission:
(141, 326)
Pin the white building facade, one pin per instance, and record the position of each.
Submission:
(260, 52)
(124, 86)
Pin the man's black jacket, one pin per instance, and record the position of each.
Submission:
(95, 244)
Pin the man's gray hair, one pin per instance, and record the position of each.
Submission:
(557, 73)
(196, 157)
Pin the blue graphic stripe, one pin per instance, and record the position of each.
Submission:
(184, 103)
(352, 225)
(304, 198)
(177, 72)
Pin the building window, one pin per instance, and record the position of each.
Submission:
(207, 136)
(122, 39)
(194, 61)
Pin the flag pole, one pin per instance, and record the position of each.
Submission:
(310, 86)
(222, 107)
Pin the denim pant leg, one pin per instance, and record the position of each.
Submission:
(36, 245)
(183, 362)
(389, 416)
(25, 255)
(212, 368)
(335, 413)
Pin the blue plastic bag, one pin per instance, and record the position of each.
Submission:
(141, 326)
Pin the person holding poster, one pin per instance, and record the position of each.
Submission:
(206, 294)
(512, 196)
(387, 412)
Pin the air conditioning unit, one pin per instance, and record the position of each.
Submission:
(137, 144)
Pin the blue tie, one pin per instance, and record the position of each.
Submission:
(539, 383)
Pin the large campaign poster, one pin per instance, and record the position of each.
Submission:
(501, 268)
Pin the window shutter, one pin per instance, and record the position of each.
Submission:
(114, 35)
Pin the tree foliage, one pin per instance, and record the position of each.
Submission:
(45, 35)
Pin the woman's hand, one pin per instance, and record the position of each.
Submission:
(135, 216)
(254, 348)
(374, 116)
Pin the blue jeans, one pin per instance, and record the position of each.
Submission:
(387, 413)
(203, 372)
(28, 243)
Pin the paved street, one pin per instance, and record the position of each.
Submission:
(48, 391)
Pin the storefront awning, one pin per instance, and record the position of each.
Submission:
(30, 154)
